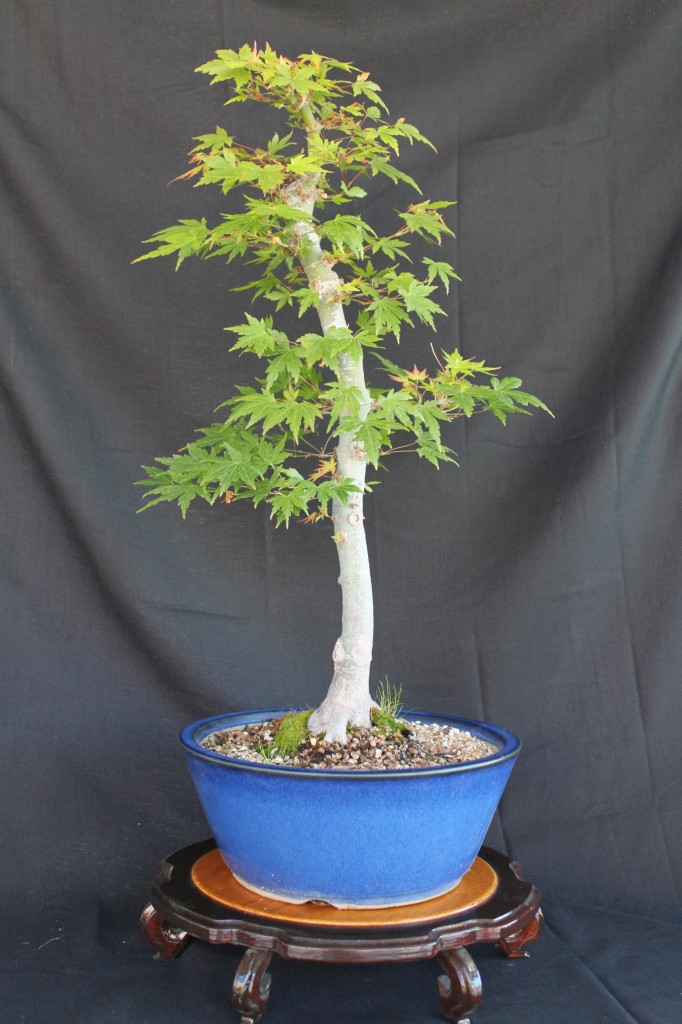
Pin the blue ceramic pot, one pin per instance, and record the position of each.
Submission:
(354, 838)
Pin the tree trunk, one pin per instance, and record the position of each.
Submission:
(348, 700)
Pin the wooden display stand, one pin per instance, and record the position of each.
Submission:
(198, 897)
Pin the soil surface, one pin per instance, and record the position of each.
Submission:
(425, 746)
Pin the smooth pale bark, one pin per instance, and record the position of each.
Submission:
(348, 700)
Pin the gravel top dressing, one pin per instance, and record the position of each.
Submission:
(423, 746)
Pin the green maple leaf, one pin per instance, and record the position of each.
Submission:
(388, 315)
(257, 336)
(382, 166)
(415, 295)
(187, 238)
(441, 270)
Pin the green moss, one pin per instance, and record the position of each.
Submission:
(387, 723)
(291, 732)
(385, 716)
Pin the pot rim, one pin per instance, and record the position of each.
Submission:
(509, 748)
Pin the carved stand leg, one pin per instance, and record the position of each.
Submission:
(251, 988)
(460, 987)
(168, 942)
(515, 945)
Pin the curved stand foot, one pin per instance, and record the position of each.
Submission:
(460, 987)
(168, 942)
(251, 988)
(515, 945)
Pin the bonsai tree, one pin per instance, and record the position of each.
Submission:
(301, 438)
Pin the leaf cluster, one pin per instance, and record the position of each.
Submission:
(232, 463)
(337, 137)
(337, 141)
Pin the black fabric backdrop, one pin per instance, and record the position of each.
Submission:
(537, 587)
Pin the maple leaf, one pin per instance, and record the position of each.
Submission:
(314, 517)
(326, 467)
(417, 374)
(191, 173)
(408, 379)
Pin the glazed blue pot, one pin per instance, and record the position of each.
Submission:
(355, 838)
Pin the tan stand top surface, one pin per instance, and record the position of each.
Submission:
(211, 876)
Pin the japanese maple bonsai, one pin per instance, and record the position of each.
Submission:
(314, 404)
(301, 438)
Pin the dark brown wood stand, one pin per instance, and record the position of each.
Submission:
(198, 897)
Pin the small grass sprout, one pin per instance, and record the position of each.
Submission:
(390, 698)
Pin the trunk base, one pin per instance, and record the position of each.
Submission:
(334, 716)
(348, 701)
